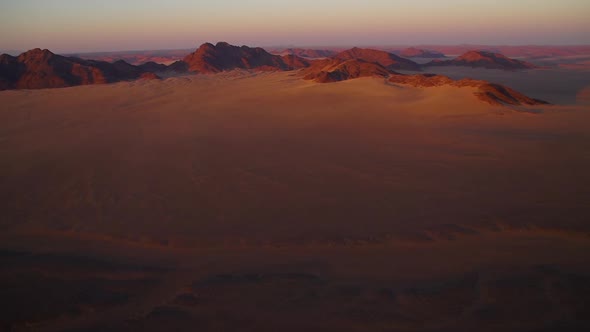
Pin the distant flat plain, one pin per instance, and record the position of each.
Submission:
(263, 202)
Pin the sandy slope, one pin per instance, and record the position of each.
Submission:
(333, 206)
(214, 158)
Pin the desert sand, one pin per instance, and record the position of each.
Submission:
(264, 202)
(555, 85)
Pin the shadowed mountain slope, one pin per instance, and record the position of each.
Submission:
(307, 52)
(385, 59)
(334, 70)
(209, 58)
(484, 59)
(494, 94)
(413, 52)
(38, 69)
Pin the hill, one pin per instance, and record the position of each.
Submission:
(491, 93)
(37, 69)
(413, 52)
(484, 59)
(334, 70)
(307, 52)
(209, 58)
(385, 59)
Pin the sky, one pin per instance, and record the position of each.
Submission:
(113, 25)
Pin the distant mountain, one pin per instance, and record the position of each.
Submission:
(11, 52)
(334, 70)
(386, 59)
(413, 52)
(178, 67)
(308, 52)
(149, 76)
(209, 58)
(483, 59)
(136, 57)
(37, 69)
(529, 51)
(491, 93)
(10, 70)
(153, 67)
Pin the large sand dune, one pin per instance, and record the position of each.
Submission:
(251, 200)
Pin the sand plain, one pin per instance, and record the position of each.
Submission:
(260, 201)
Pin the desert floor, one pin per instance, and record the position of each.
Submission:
(262, 202)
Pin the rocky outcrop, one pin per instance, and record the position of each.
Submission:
(307, 53)
(385, 59)
(334, 70)
(413, 52)
(484, 59)
(38, 69)
(149, 77)
(209, 58)
(491, 93)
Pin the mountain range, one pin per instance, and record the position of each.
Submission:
(386, 59)
(491, 93)
(38, 68)
(336, 69)
(211, 58)
(306, 52)
(484, 59)
(413, 52)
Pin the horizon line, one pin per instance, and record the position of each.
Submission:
(310, 46)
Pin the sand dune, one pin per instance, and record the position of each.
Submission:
(247, 200)
(210, 142)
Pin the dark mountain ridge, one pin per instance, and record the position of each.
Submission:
(484, 59)
(38, 69)
(209, 58)
(385, 59)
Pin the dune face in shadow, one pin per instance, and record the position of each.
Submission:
(269, 292)
(38, 288)
(484, 59)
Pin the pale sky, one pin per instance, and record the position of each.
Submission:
(107, 25)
